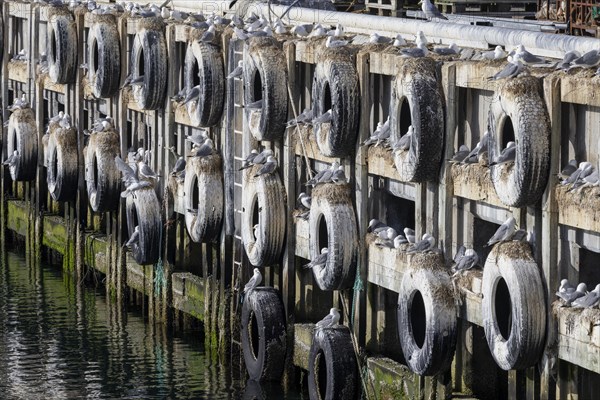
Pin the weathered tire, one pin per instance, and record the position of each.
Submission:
(263, 202)
(149, 58)
(204, 179)
(61, 45)
(332, 368)
(204, 67)
(332, 204)
(103, 179)
(143, 210)
(524, 183)
(335, 87)
(416, 100)
(427, 316)
(63, 172)
(264, 334)
(511, 279)
(23, 137)
(265, 77)
(104, 57)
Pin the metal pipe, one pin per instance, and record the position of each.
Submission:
(545, 44)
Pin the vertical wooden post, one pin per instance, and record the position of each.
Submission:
(552, 95)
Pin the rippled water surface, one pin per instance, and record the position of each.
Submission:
(61, 341)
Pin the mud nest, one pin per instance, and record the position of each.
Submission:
(334, 194)
(419, 66)
(24, 115)
(107, 141)
(207, 165)
(66, 137)
(383, 153)
(262, 42)
(152, 24)
(472, 174)
(522, 85)
(59, 10)
(515, 250)
(103, 18)
(431, 261)
(586, 198)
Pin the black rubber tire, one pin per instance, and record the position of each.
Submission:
(61, 47)
(332, 348)
(267, 195)
(429, 347)
(333, 203)
(417, 85)
(1, 36)
(264, 336)
(104, 56)
(143, 209)
(524, 183)
(149, 54)
(103, 179)
(63, 164)
(510, 270)
(264, 59)
(207, 174)
(23, 136)
(335, 85)
(207, 110)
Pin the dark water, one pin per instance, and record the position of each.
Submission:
(59, 340)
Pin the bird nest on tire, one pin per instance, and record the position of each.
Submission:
(343, 53)
(333, 193)
(152, 23)
(464, 279)
(210, 165)
(59, 10)
(422, 66)
(522, 85)
(24, 115)
(102, 18)
(259, 42)
(515, 250)
(383, 153)
(428, 261)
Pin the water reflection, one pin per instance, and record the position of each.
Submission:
(61, 340)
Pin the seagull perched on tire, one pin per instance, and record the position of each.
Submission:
(305, 200)
(511, 70)
(399, 41)
(206, 149)
(424, 245)
(209, 35)
(466, 262)
(507, 155)
(192, 95)
(238, 71)
(431, 11)
(332, 42)
(497, 54)
(330, 321)
(13, 159)
(145, 171)
(453, 49)
(249, 160)
(269, 167)
(323, 118)
(179, 164)
(504, 232)
(416, 52)
(135, 237)
(320, 260)
(252, 284)
(565, 287)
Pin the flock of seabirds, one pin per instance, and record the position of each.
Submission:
(137, 174)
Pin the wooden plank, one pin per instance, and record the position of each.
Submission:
(380, 162)
(473, 182)
(17, 71)
(303, 334)
(305, 144)
(579, 337)
(306, 52)
(446, 190)
(579, 209)
(188, 294)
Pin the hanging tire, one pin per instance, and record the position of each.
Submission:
(417, 100)
(427, 324)
(103, 179)
(264, 336)
(143, 210)
(204, 67)
(104, 57)
(23, 137)
(263, 203)
(513, 308)
(332, 206)
(265, 77)
(519, 107)
(61, 45)
(203, 191)
(149, 58)
(335, 87)
(63, 172)
(332, 367)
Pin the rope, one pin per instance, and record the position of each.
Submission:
(306, 159)
(159, 271)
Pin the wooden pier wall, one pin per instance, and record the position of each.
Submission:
(202, 281)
